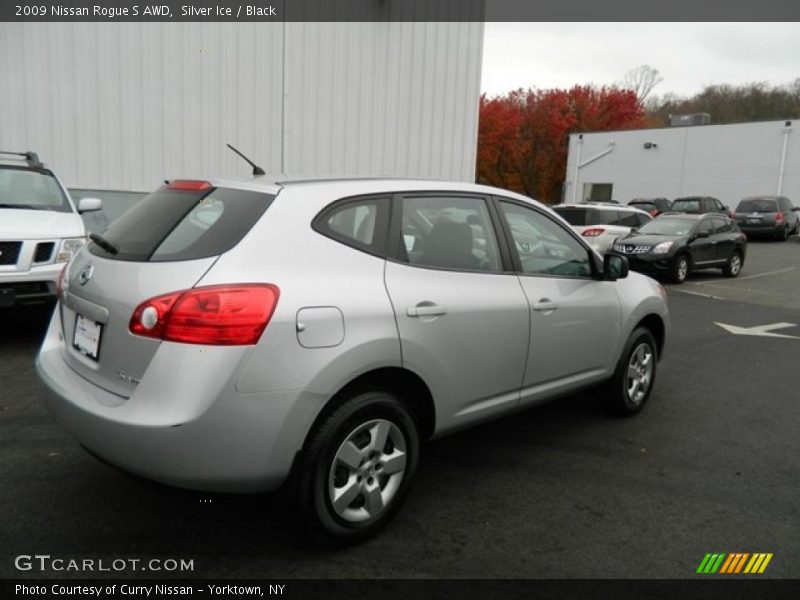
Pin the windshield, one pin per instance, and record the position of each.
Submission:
(687, 204)
(667, 226)
(32, 189)
(757, 205)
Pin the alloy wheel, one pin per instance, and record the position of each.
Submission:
(367, 471)
(640, 373)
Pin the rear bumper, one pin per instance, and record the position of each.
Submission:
(758, 230)
(233, 443)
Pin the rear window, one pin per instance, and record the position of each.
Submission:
(32, 189)
(586, 216)
(173, 225)
(757, 205)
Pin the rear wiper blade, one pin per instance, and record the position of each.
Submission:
(103, 243)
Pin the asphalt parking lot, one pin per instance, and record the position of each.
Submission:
(562, 491)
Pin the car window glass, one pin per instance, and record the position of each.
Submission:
(705, 226)
(448, 233)
(641, 220)
(757, 205)
(35, 189)
(721, 226)
(355, 221)
(545, 247)
(361, 223)
(628, 219)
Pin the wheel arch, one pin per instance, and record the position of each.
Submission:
(409, 386)
(655, 324)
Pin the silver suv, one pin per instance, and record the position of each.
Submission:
(225, 335)
(40, 229)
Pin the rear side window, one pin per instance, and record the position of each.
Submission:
(172, 225)
(361, 223)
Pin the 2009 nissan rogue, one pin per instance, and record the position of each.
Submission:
(225, 335)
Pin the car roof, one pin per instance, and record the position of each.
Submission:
(273, 183)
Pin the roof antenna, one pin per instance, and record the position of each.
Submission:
(256, 169)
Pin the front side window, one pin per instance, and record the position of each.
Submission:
(705, 227)
(448, 232)
(544, 247)
(31, 189)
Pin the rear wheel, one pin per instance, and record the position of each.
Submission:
(357, 468)
(630, 387)
(734, 266)
(679, 269)
(784, 234)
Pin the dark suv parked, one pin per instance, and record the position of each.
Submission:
(698, 205)
(653, 206)
(768, 216)
(675, 244)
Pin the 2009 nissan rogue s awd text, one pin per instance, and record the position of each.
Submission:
(233, 336)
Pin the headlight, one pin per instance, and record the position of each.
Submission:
(69, 248)
(663, 248)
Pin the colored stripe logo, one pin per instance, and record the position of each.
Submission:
(734, 563)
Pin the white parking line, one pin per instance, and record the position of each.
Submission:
(697, 294)
(777, 271)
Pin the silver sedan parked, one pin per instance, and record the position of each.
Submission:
(234, 336)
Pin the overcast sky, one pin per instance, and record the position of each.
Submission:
(687, 55)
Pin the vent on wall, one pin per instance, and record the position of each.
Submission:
(689, 120)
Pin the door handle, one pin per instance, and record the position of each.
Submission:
(545, 305)
(426, 309)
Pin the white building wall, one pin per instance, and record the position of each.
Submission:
(725, 161)
(123, 106)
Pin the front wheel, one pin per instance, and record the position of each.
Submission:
(679, 269)
(734, 266)
(630, 387)
(357, 467)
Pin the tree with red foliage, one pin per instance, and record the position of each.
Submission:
(523, 136)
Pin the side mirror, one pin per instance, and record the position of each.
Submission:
(615, 267)
(726, 209)
(89, 204)
(702, 234)
(796, 209)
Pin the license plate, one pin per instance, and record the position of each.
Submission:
(754, 221)
(87, 337)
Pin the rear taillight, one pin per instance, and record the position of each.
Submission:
(654, 212)
(733, 214)
(593, 232)
(217, 315)
(779, 217)
(188, 185)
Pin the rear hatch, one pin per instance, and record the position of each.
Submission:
(757, 212)
(164, 244)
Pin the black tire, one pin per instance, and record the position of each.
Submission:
(622, 397)
(679, 269)
(734, 265)
(355, 421)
